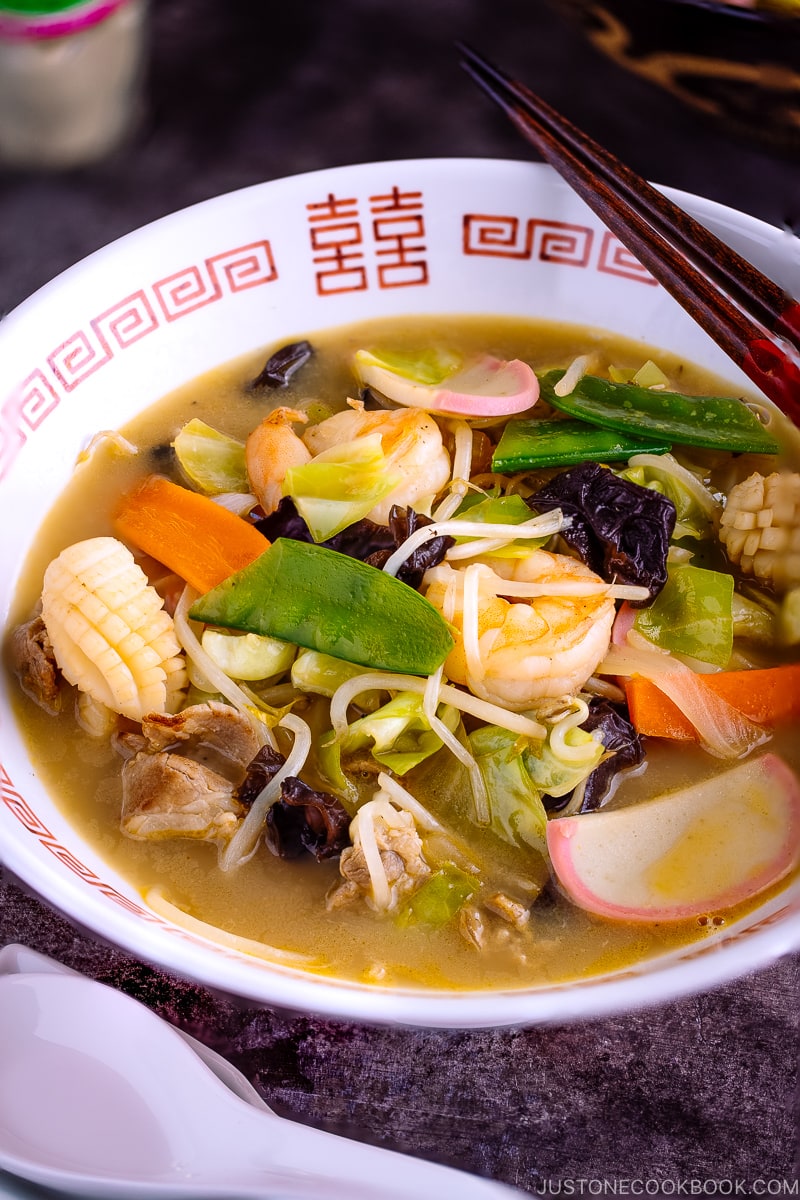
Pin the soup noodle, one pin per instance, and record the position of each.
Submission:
(404, 839)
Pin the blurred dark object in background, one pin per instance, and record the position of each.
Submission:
(738, 67)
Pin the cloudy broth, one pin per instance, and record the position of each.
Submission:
(282, 902)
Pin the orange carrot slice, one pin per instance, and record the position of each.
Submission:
(196, 538)
(769, 696)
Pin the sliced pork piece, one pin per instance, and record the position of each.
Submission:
(402, 866)
(165, 795)
(182, 773)
(205, 730)
(34, 663)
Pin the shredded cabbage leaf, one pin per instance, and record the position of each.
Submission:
(500, 510)
(322, 674)
(429, 367)
(517, 812)
(213, 461)
(341, 485)
(397, 735)
(519, 772)
(695, 506)
(692, 615)
(250, 656)
(439, 898)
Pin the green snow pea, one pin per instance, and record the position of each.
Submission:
(563, 443)
(326, 601)
(717, 422)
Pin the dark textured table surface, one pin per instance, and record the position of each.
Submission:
(700, 1090)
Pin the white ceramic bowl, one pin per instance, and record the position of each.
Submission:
(160, 306)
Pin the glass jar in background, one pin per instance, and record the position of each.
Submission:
(71, 79)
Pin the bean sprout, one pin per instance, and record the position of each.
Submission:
(484, 710)
(585, 752)
(541, 526)
(211, 672)
(244, 842)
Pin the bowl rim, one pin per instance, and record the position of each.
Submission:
(664, 978)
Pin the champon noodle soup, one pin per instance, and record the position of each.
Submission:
(442, 652)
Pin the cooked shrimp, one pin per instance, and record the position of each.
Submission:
(518, 653)
(411, 441)
(271, 449)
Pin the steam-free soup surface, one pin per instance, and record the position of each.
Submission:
(282, 903)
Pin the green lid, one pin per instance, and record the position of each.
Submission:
(35, 8)
(24, 19)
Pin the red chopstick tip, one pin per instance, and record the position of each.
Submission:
(776, 375)
(789, 320)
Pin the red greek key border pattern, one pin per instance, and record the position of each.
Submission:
(21, 809)
(123, 324)
(35, 399)
(77, 358)
(243, 268)
(494, 235)
(616, 259)
(497, 236)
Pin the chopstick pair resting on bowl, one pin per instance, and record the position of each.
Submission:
(749, 316)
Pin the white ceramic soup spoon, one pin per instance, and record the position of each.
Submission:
(101, 1098)
(16, 959)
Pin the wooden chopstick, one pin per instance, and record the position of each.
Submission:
(765, 300)
(754, 321)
